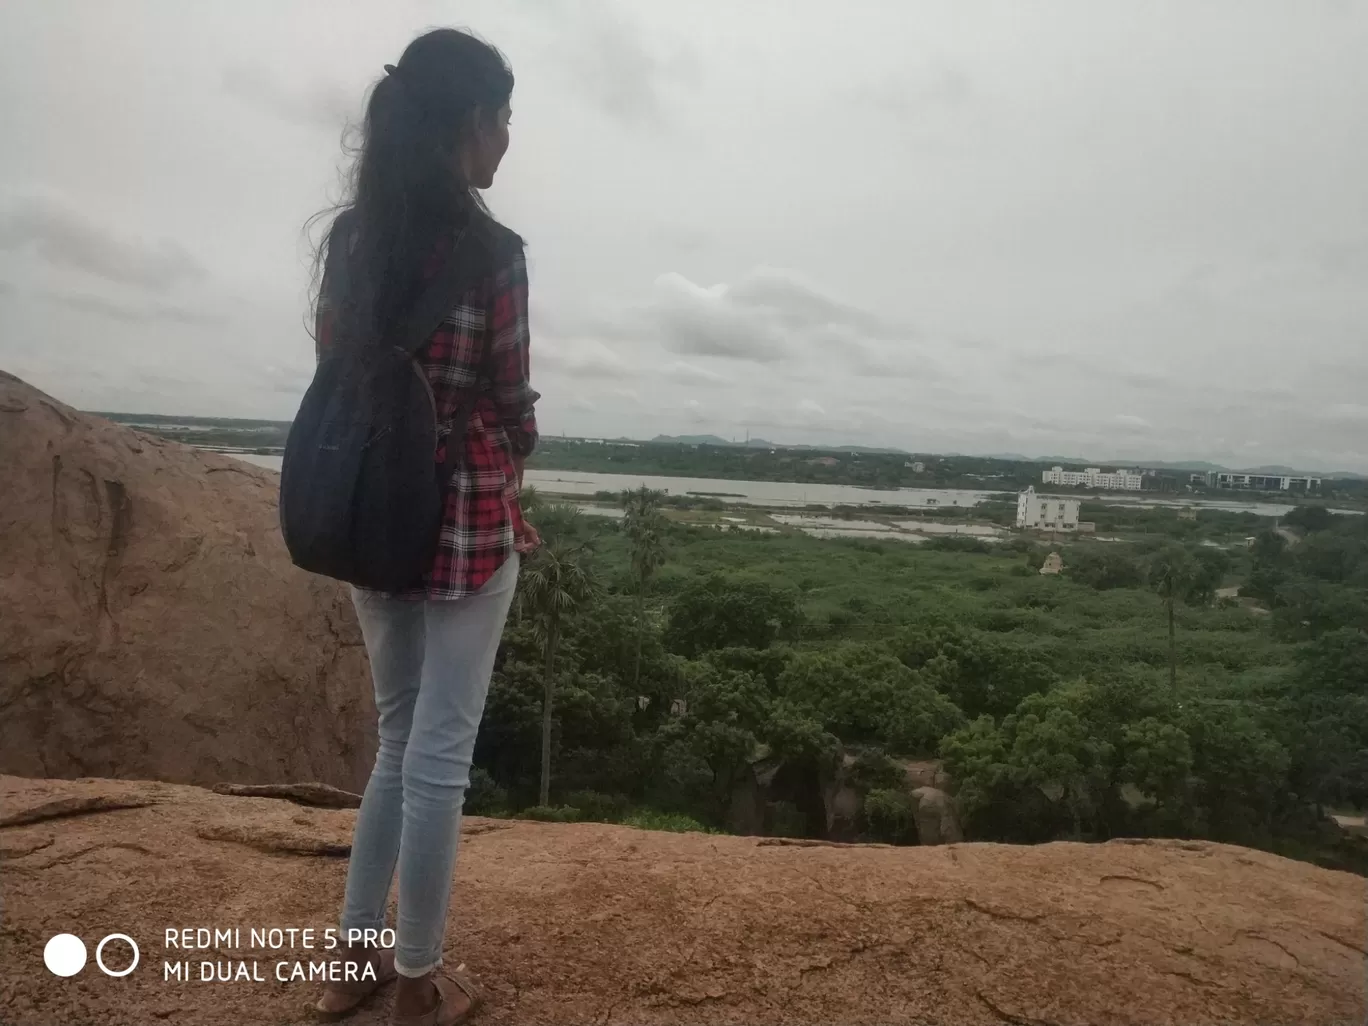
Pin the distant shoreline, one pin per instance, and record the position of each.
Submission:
(588, 486)
(175, 425)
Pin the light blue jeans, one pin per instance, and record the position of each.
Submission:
(431, 662)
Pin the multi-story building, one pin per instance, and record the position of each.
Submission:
(1093, 477)
(1264, 482)
(1046, 512)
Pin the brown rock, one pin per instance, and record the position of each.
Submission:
(586, 923)
(151, 624)
(321, 795)
(927, 773)
(937, 820)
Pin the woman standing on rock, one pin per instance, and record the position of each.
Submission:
(435, 130)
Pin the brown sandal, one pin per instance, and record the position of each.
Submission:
(450, 987)
(356, 990)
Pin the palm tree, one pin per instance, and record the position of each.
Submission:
(644, 525)
(1175, 576)
(555, 581)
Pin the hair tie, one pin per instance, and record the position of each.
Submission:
(407, 90)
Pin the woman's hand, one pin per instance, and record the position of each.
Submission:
(527, 539)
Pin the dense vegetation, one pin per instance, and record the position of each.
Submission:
(1123, 697)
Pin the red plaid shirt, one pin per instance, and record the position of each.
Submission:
(482, 511)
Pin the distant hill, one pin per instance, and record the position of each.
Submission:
(691, 440)
(1016, 457)
(1289, 472)
(1182, 466)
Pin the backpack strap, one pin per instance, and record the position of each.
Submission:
(468, 262)
(463, 268)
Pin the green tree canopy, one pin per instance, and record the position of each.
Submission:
(1309, 518)
(862, 693)
(1104, 567)
(978, 672)
(718, 611)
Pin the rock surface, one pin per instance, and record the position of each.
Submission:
(595, 924)
(937, 820)
(151, 623)
(927, 773)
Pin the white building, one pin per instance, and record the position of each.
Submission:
(1264, 482)
(1046, 512)
(1117, 481)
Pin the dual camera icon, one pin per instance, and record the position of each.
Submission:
(65, 954)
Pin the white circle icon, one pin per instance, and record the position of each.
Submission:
(65, 955)
(99, 955)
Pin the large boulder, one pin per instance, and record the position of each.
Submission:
(842, 802)
(747, 810)
(151, 623)
(927, 773)
(937, 819)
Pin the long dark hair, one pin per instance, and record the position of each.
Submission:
(404, 188)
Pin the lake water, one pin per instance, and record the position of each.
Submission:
(752, 493)
(269, 462)
(902, 530)
(985, 531)
(784, 493)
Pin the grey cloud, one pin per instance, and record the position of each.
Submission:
(67, 239)
(769, 315)
(1270, 393)
(703, 322)
(941, 85)
(938, 164)
(873, 358)
(973, 343)
(809, 418)
(1149, 380)
(1053, 362)
(796, 302)
(682, 238)
(1355, 413)
(581, 358)
(615, 66)
(290, 378)
(688, 374)
(129, 312)
(1342, 259)
(322, 105)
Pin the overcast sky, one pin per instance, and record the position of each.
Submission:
(1122, 230)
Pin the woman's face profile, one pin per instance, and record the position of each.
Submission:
(488, 144)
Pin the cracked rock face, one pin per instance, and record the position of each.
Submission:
(151, 624)
(585, 923)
